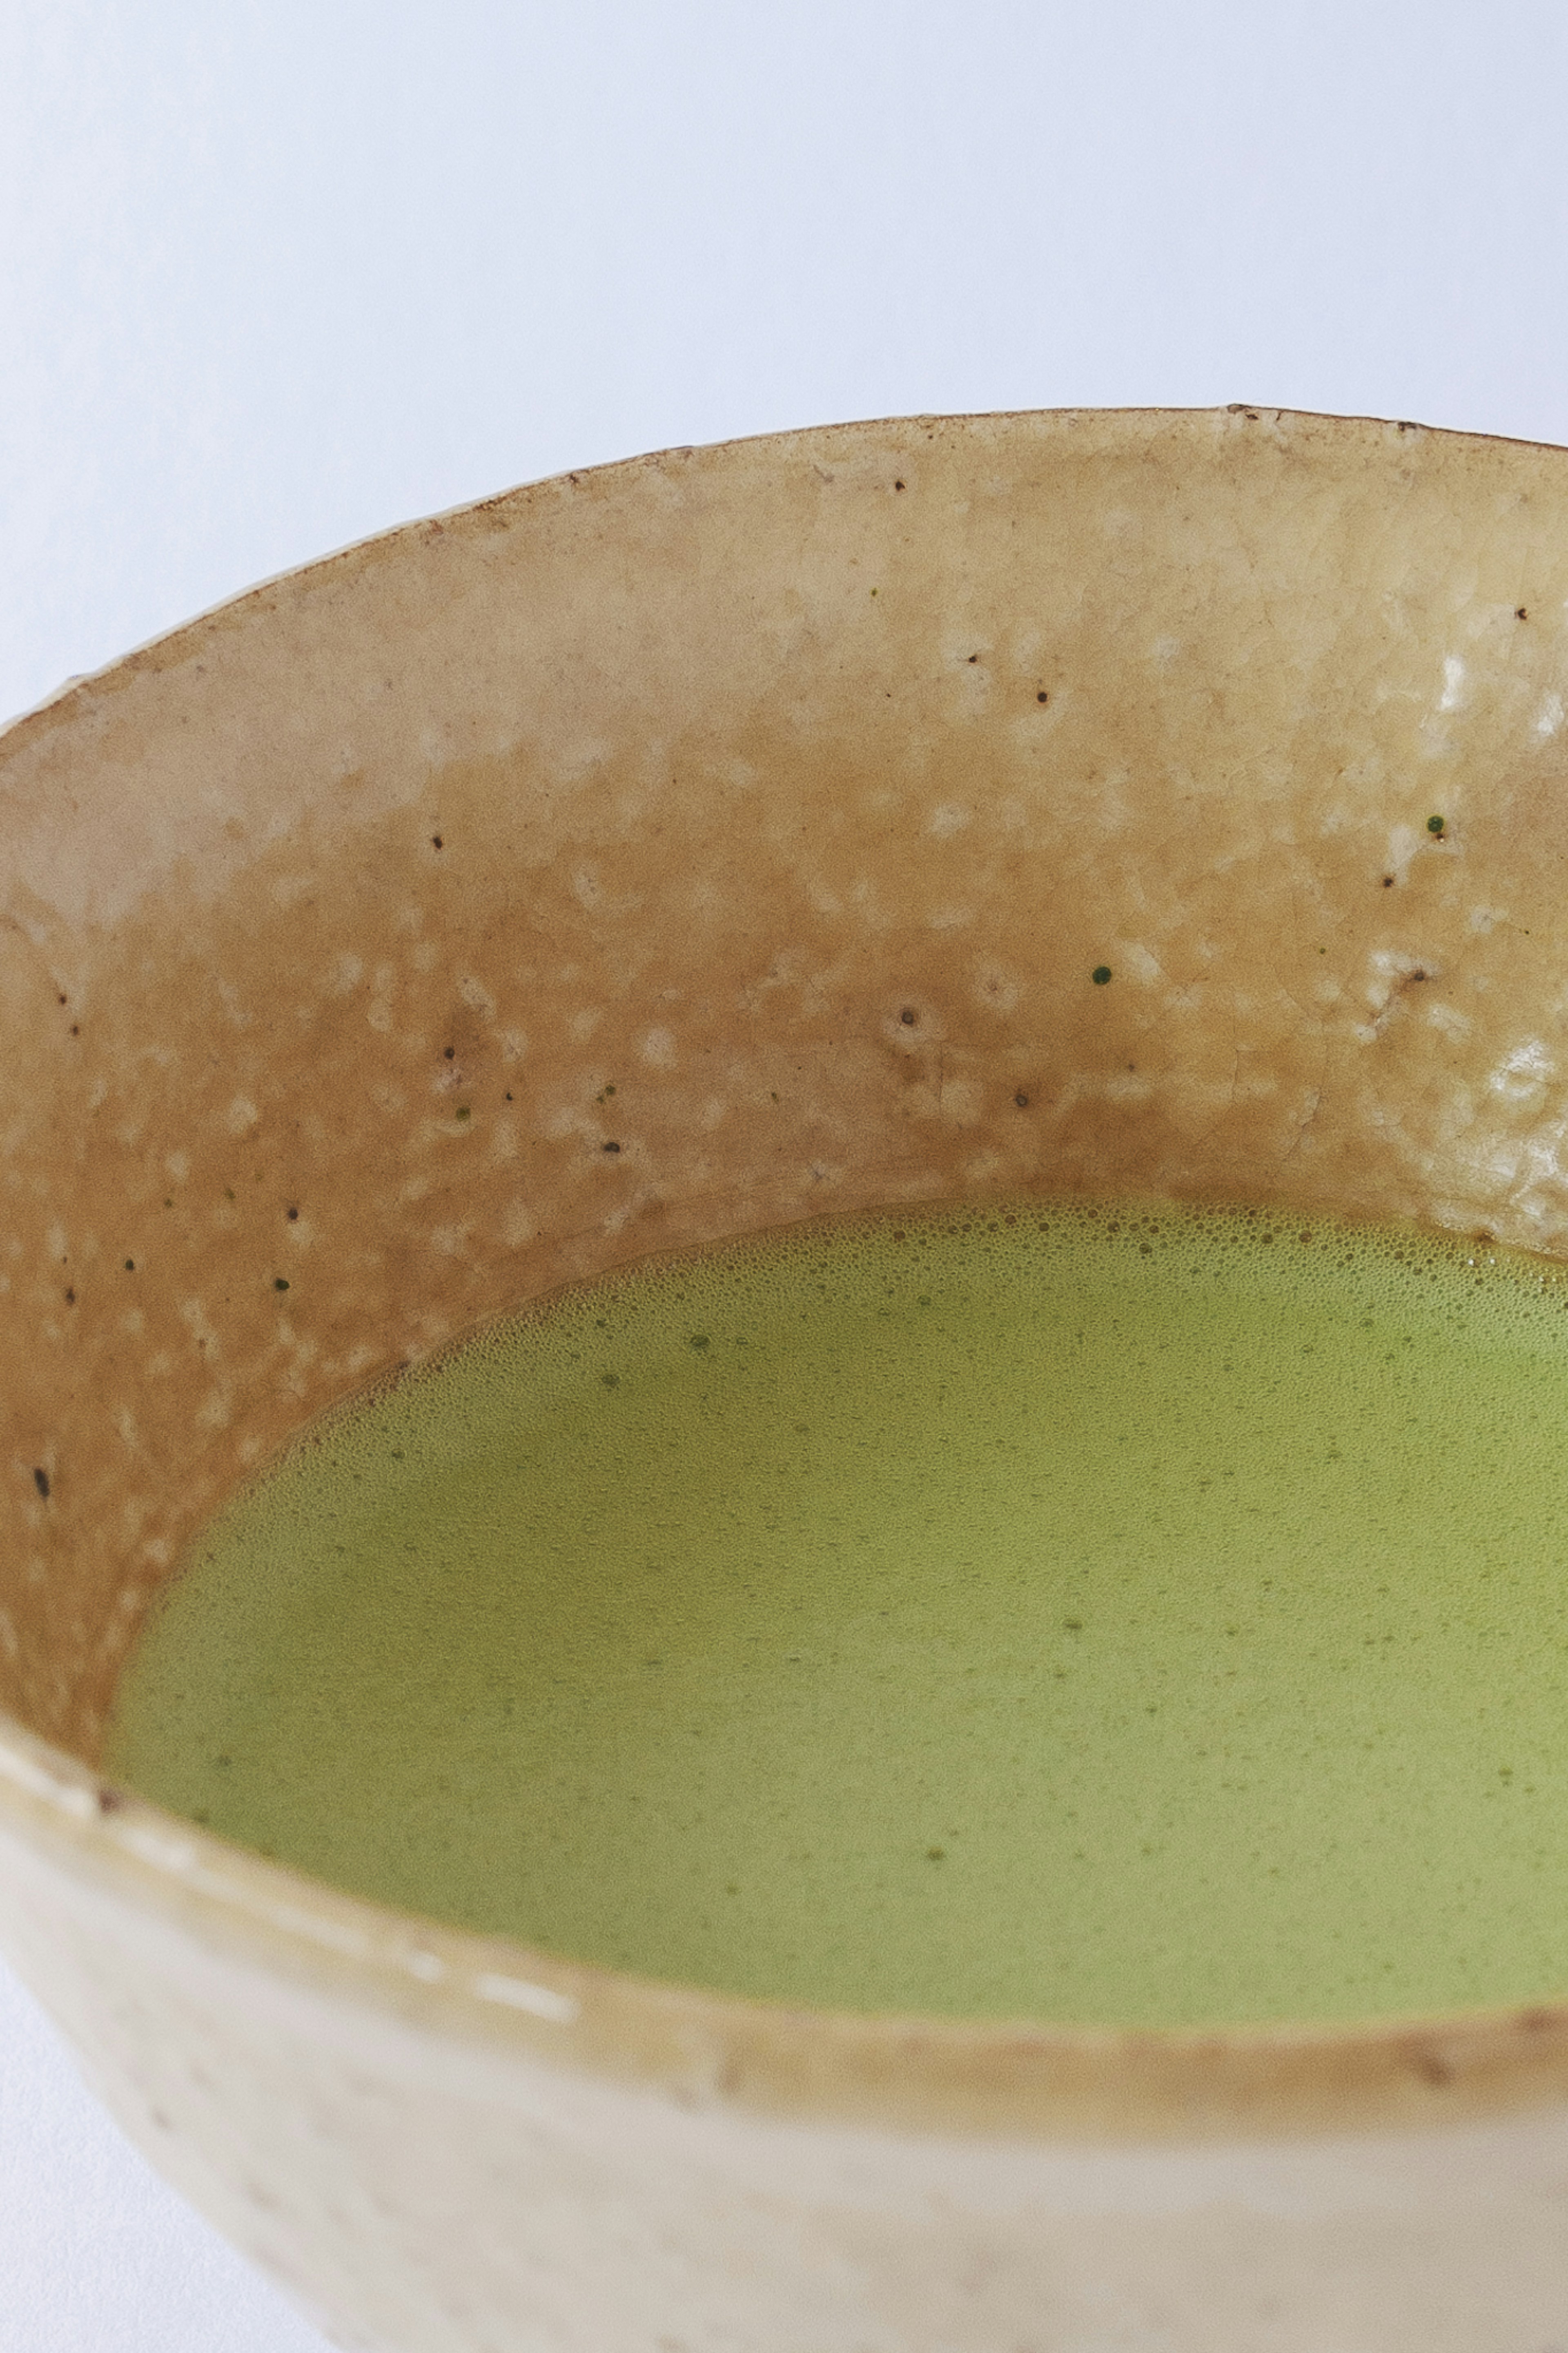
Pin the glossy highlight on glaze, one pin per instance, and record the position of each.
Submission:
(1128, 1614)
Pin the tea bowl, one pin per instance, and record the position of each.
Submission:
(797, 788)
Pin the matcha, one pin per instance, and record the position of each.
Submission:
(1120, 1614)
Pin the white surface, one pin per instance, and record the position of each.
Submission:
(280, 273)
(96, 2255)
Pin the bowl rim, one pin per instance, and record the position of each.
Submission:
(1026, 2079)
(1008, 2080)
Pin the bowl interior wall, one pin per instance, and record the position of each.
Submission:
(730, 837)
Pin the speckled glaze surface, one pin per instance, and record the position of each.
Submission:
(795, 790)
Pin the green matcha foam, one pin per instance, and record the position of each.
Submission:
(1089, 1613)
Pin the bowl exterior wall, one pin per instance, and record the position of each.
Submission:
(418, 2193)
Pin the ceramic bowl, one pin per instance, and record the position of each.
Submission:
(797, 787)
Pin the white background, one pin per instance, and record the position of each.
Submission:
(278, 273)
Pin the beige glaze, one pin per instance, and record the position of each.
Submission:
(793, 790)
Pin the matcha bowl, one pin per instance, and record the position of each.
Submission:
(798, 789)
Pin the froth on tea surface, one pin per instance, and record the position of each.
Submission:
(1120, 1614)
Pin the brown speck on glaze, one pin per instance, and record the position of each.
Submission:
(41, 1481)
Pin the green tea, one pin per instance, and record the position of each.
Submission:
(1119, 1614)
